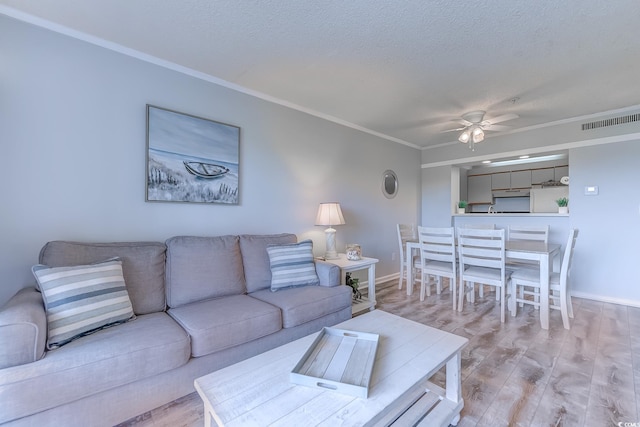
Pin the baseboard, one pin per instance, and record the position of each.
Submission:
(585, 295)
(603, 298)
(364, 284)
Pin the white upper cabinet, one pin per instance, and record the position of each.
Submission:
(561, 171)
(538, 176)
(501, 181)
(479, 189)
(521, 179)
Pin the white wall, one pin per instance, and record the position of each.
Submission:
(72, 130)
(605, 264)
(436, 197)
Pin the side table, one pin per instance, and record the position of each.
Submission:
(363, 263)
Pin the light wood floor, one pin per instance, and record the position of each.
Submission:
(514, 374)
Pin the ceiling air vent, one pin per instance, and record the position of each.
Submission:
(611, 122)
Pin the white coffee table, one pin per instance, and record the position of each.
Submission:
(258, 392)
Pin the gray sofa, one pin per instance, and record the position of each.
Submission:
(201, 303)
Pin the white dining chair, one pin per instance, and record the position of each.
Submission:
(525, 282)
(537, 233)
(480, 226)
(438, 259)
(481, 254)
(406, 232)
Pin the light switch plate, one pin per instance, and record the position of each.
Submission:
(591, 190)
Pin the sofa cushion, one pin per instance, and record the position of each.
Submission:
(80, 300)
(145, 347)
(142, 266)
(200, 268)
(292, 265)
(255, 259)
(301, 305)
(226, 322)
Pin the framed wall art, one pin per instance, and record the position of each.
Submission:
(191, 159)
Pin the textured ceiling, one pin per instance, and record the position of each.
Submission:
(404, 69)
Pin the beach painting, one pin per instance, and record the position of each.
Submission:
(191, 159)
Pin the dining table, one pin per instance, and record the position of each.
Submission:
(540, 252)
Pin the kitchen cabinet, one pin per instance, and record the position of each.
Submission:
(521, 179)
(561, 171)
(538, 176)
(479, 189)
(501, 181)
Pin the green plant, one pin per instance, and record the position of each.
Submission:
(462, 204)
(562, 202)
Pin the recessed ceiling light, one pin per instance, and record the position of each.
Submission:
(524, 157)
(486, 161)
(530, 160)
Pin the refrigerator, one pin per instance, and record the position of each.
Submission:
(544, 199)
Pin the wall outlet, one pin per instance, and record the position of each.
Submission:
(394, 255)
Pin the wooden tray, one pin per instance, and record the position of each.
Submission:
(338, 360)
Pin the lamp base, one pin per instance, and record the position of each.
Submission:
(332, 255)
(330, 252)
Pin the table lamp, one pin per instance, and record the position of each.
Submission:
(330, 214)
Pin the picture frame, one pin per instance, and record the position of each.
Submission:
(191, 159)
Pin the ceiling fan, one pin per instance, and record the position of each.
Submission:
(474, 125)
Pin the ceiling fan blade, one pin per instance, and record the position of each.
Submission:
(463, 122)
(496, 127)
(503, 118)
(453, 130)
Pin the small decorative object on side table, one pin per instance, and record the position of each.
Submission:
(354, 253)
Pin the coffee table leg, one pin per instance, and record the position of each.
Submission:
(454, 383)
(208, 421)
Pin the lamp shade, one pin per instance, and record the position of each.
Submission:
(330, 214)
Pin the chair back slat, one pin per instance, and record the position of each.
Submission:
(481, 247)
(528, 232)
(437, 244)
(479, 226)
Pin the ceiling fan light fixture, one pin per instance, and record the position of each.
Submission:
(477, 134)
(465, 136)
(474, 126)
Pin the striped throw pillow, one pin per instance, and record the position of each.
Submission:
(292, 265)
(83, 299)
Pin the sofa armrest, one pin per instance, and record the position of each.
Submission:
(23, 329)
(329, 274)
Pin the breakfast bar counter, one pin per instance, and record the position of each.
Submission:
(515, 214)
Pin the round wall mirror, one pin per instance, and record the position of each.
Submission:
(389, 184)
